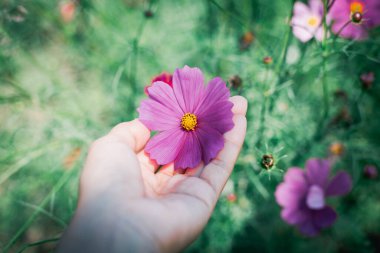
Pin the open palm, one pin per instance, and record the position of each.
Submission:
(129, 203)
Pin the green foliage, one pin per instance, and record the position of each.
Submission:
(64, 84)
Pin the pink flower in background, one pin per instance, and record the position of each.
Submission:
(67, 11)
(303, 194)
(367, 79)
(191, 118)
(370, 171)
(163, 77)
(307, 20)
(353, 18)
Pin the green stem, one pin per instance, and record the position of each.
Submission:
(33, 244)
(324, 59)
(260, 131)
(281, 62)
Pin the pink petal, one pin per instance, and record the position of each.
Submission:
(188, 85)
(218, 116)
(296, 175)
(316, 7)
(164, 94)
(290, 195)
(300, 9)
(190, 154)
(165, 146)
(302, 33)
(317, 171)
(320, 33)
(157, 116)
(211, 142)
(216, 91)
(341, 184)
(324, 218)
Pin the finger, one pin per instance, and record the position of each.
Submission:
(240, 105)
(195, 172)
(112, 163)
(217, 172)
(146, 162)
(133, 133)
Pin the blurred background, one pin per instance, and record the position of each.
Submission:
(71, 70)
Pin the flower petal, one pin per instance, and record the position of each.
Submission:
(188, 86)
(164, 147)
(325, 217)
(218, 116)
(216, 91)
(157, 117)
(294, 216)
(302, 33)
(315, 198)
(308, 228)
(290, 194)
(316, 7)
(300, 9)
(164, 94)
(295, 174)
(317, 171)
(190, 154)
(341, 184)
(211, 142)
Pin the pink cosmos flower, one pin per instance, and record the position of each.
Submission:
(303, 195)
(307, 20)
(353, 18)
(190, 118)
(163, 77)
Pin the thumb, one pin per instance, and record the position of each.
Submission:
(112, 164)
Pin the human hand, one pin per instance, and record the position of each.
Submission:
(128, 203)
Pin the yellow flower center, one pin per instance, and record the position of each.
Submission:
(313, 21)
(189, 121)
(356, 7)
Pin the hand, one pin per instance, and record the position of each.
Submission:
(125, 205)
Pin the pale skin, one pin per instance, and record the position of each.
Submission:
(128, 204)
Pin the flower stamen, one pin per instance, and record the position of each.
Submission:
(313, 21)
(356, 7)
(189, 121)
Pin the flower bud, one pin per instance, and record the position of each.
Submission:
(267, 60)
(267, 161)
(356, 17)
(336, 148)
(231, 197)
(67, 11)
(148, 14)
(246, 40)
(235, 81)
(370, 172)
(367, 80)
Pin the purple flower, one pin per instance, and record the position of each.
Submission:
(307, 20)
(353, 18)
(303, 196)
(191, 118)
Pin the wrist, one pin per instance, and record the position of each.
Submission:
(105, 227)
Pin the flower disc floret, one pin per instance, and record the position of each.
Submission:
(189, 121)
